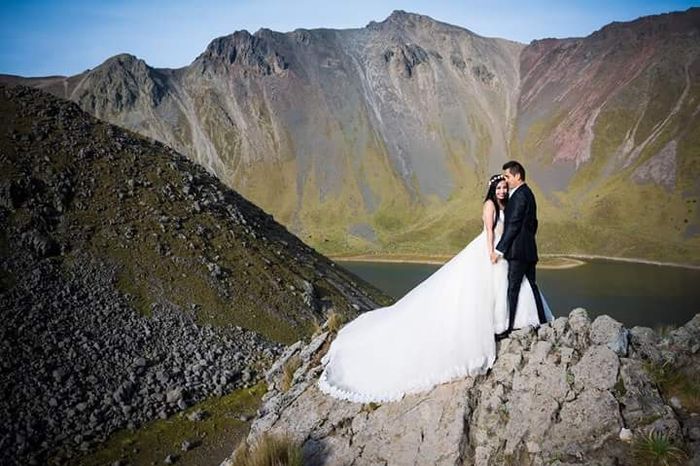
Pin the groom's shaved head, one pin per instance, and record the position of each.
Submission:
(515, 168)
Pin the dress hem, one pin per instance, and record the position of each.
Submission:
(476, 367)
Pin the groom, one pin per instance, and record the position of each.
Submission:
(517, 243)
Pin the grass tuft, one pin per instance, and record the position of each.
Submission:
(269, 450)
(619, 388)
(370, 407)
(317, 327)
(290, 367)
(664, 330)
(681, 383)
(656, 448)
(334, 322)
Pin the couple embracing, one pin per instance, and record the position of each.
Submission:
(446, 327)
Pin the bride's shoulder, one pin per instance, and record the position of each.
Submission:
(489, 206)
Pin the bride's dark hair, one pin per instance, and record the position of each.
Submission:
(491, 192)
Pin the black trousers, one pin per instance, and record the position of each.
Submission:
(516, 271)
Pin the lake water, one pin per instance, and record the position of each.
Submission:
(635, 294)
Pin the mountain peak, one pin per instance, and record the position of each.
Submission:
(123, 61)
(252, 52)
(402, 15)
(123, 58)
(402, 18)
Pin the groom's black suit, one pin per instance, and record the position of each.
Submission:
(518, 246)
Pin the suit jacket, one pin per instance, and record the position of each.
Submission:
(518, 239)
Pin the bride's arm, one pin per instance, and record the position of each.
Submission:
(488, 215)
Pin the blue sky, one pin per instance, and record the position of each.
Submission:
(39, 38)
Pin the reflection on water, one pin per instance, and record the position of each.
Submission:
(635, 294)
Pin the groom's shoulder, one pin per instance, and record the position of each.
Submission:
(522, 190)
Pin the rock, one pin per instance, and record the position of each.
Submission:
(676, 403)
(41, 243)
(626, 435)
(313, 346)
(58, 374)
(197, 415)
(309, 295)
(638, 395)
(611, 333)
(140, 362)
(694, 433)
(580, 325)
(644, 342)
(175, 395)
(597, 368)
(279, 364)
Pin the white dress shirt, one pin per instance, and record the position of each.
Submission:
(510, 193)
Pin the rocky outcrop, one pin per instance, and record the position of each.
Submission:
(241, 50)
(569, 392)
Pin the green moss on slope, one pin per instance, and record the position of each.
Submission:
(212, 439)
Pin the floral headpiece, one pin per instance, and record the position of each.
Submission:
(496, 179)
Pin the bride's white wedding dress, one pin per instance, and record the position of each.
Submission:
(441, 330)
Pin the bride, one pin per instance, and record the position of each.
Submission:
(441, 330)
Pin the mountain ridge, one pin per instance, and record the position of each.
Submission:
(378, 139)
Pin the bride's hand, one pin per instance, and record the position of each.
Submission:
(494, 257)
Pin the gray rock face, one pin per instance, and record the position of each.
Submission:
(562, 395)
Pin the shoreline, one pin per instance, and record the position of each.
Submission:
(632, 260)
(570, 260)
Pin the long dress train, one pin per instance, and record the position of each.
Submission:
(441, 330)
